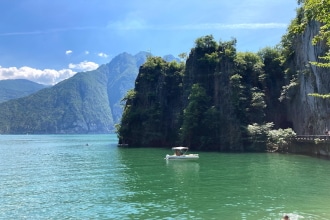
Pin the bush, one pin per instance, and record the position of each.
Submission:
(279, 140)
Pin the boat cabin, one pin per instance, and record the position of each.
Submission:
(178, 151)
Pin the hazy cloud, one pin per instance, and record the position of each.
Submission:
(68, 52)
(84, 66)
(129, 24)
(50, 31)
(46, 76)
(138, 25)
(220, 26)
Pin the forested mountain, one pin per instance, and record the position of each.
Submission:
(17, 88)
(225, 100)
(206, 103)
(88, 102)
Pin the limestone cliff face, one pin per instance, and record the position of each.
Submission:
(215, 77)
(308, 114)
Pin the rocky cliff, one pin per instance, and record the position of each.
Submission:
(308, 114)
(206, 103)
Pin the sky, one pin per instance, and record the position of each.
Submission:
(49, 41)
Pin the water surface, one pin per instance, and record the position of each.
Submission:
(89, 177)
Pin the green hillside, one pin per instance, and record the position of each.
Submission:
(17, 88)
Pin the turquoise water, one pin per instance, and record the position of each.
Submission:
(89, 177)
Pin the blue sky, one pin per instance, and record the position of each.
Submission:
(48, 41)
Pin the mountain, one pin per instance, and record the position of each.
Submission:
(88, 102)
(170, 58)
(17, 88)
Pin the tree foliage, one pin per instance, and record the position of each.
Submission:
(280, 139)
(264, 138)
(193, 127)
(206, 43)
(258, 135)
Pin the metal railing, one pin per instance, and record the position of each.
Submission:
(307, 138)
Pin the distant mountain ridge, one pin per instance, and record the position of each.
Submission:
(88, 102)
(17, 88)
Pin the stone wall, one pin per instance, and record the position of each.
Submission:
(310, 148)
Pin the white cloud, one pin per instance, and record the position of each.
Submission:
(103, 55)
(84, 66)
(86, 52)
(46, 76)
(68, 52)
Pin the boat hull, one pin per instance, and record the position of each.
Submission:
(182, 157)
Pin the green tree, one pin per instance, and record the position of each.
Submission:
(193, 116)
(205, 43)
(279, 140)
(248, 87)
(183, 56)
(258, 135)
(210, 125)
(258, 106)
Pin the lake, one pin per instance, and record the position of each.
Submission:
(89, 177)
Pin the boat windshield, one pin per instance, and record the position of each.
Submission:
(180, 150)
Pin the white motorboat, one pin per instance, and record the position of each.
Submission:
(180, 153)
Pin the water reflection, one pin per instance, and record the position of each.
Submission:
(183, 172)
(161, 188)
